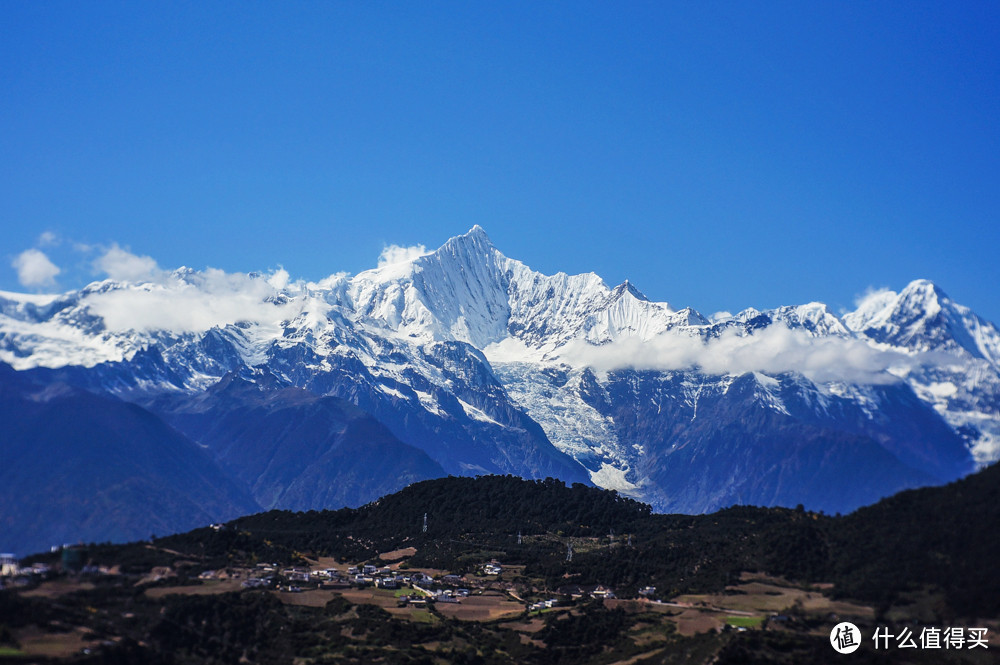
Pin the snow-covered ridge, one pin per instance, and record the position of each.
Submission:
(388, 320)
(465, 291)
(468, 291)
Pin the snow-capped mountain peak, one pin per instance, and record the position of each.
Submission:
(814, 317)
(463, 334)
(630, 289)
(922, 317)
(456, 292)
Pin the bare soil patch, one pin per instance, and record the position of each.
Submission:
(310, 598)
(210, 587)
(640, 657)
(481, 608)
(530, 626)
(691, 622)
(764, 598)
(323, 562)
(396, 555)
(56, 588)
(383, 598)
(37, 642)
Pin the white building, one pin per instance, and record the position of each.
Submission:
(8, 565)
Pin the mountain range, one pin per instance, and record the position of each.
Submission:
(220, 394)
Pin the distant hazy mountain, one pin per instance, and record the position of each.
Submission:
(84, 467)
(463, 361)
(295, 449)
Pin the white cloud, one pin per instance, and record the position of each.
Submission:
(279, 279)
(197, 301)
(122, 265)
(337, 279)
(397, 254)
(874, 294)
(48, 239)
(774, 350)
(34, 269)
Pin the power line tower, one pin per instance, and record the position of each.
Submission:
(569, 551)
(518, 536)
(425, 522)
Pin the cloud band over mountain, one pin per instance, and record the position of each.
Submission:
(773, 350)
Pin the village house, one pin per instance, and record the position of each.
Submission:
(9, 566)
(601, 591)
(297, 574)
(40, 569)
(257, 582)
(574, 591)
(492, 568)
(445, 596)
(417, 601)
(594, 591)
(386, 583)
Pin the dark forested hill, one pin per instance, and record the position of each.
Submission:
(921, 558)
(945, 538)
(938, 539)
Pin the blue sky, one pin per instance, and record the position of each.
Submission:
(719, 155)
